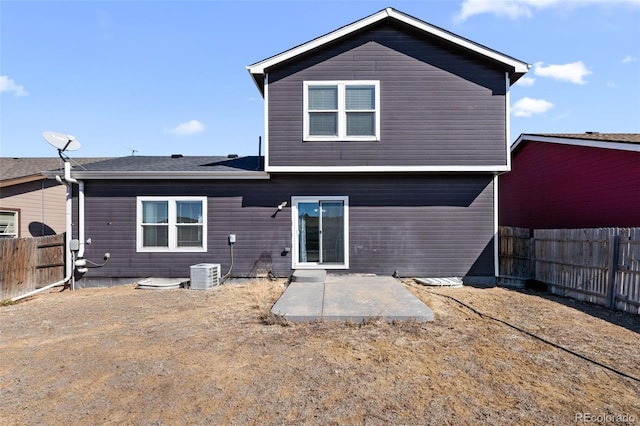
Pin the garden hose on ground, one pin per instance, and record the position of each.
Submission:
(528, 333)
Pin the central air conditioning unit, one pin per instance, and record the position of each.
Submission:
(205, 276)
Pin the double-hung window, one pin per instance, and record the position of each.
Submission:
(172, 224)
(9, 223)
(341, 110)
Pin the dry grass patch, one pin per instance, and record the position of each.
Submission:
(126, 356)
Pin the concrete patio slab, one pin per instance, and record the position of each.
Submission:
(301, 301)
(351, 297)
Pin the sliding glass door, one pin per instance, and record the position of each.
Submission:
(320, 234)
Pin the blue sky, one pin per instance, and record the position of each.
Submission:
(164, 77)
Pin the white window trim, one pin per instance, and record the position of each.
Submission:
(16, 223)
(342, 113)
(295, 258)
(172, 225)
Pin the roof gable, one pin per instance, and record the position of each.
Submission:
(516, 67)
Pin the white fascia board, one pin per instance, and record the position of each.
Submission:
(116, 175)
(266, 120)
(384, 169)
(507, 108)
(518, 66)
(496, 225)
(622, 146)
(260, 67)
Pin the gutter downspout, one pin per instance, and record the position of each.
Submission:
(68, 261)
(80, 262)
(67, 181)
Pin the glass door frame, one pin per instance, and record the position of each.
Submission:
(295, 237)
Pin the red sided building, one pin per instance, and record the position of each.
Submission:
(587, 180)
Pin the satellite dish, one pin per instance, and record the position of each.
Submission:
(61, 141)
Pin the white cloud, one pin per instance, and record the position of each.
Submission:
(629, 58)
(526, 107)
(574, 72)
(187, 128)
(526, 81)
(8, 85)
(510, 9)
(515, 9)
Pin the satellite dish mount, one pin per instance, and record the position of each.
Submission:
(62, 143)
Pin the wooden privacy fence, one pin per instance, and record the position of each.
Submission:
(599, 265)
(30, 263)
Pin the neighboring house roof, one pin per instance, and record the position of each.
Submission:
(621, 141)
(515, 67)
(173, 167)
(14, 171)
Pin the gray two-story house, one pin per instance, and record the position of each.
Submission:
(383, 143)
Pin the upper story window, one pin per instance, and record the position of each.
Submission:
(172, 224)
(9, 223)
(342, 110)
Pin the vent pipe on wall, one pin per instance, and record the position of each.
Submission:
(260, 153)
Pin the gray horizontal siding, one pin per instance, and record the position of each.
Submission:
(438, 107)
(419, 225)
(111, 223)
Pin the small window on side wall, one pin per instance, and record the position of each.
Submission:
(9, 224)
(172, 224)
(342, 110)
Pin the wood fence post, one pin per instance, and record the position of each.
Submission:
(532, 256)
(614, 244)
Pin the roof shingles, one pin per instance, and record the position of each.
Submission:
(140, 163)
(14, 168)
(595, 136)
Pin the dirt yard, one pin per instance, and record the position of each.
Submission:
(126, 356)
